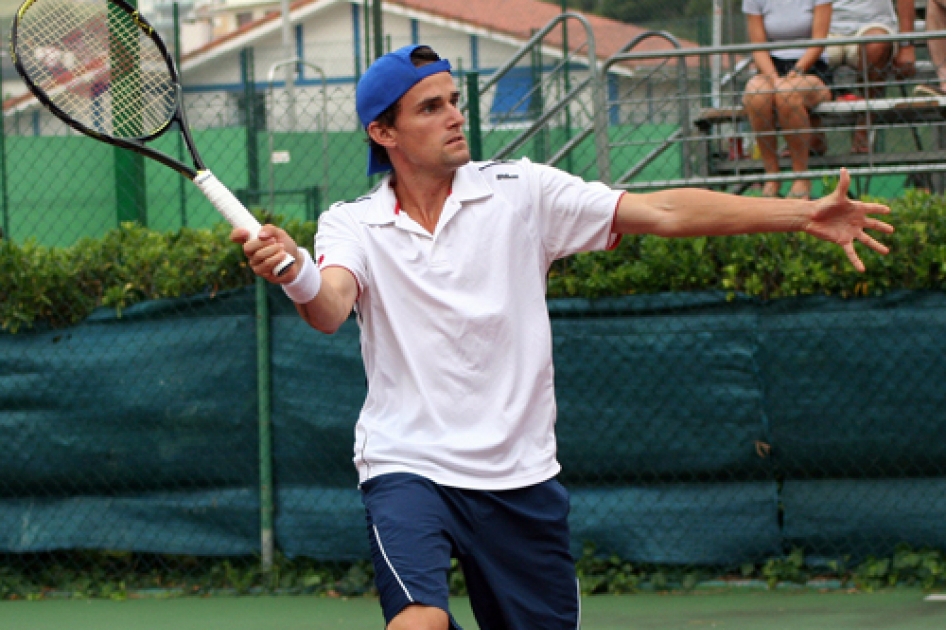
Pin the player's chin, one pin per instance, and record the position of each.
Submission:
(458, 153)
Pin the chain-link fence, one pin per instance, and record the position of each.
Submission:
(176, 434)
(688, 127)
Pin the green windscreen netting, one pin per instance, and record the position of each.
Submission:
(693, 429)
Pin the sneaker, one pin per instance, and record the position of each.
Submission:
(929, 90)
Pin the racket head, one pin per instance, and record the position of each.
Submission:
(98, 66)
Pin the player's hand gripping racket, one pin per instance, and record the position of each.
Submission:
(101, 68)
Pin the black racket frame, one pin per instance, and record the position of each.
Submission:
(136, 144)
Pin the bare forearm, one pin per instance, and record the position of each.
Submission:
(821, 22)
(757, 35)
(906, 15)
(697, 212)
(810, 58)
(332, 305)
(763, 63)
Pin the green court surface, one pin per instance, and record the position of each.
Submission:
(905, 609)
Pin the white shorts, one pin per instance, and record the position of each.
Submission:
(848, 54)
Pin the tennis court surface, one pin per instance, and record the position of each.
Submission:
(901, 609)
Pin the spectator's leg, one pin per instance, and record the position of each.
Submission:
(819, 141)
(876, 57)
(936, 21)
(794, 98)
(759, 101)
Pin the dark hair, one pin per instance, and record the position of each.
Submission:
(421, 56)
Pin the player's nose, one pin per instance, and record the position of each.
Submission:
(456, 115)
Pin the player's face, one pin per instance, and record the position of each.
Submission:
(428, 131)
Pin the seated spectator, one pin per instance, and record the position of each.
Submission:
(789, 84)
(936, 21)
(856, 18)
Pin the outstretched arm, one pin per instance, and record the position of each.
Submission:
(697, 212)
(335, 289)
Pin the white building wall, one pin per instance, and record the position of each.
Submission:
(449, 43)
(213, 80)
(195, 35)
(328, 41)
(397, 32)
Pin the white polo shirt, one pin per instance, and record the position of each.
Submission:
(455, 332)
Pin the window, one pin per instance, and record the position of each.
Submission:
(513, 97)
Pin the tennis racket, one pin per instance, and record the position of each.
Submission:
(101, 68)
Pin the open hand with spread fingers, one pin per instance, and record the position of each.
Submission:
(840, 220)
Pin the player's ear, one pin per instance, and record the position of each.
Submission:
(381, 134)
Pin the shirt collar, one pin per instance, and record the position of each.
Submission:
(468, 185)
(381, 209)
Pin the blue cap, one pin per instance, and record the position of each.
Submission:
(384, 82)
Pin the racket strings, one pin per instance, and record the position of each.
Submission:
(94, 62)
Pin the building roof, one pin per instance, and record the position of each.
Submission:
(521, 18)
(512, 18)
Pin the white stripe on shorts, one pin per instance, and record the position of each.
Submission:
(397, 577)
(578, 595)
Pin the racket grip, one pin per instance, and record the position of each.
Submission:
(233, 211)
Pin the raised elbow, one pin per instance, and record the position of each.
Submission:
(324, 322)
(329, 328)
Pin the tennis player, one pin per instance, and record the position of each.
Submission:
(445, 265)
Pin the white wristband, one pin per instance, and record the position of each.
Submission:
(307, 284)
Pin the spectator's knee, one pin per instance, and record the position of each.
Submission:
(789, 100)
(757, 100)
(878, 56)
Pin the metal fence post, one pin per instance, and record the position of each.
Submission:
(537, 105)
(377, 27)
(366, 9)
(263, 386)
(251, 124)
(4, 196)
(566, 55)
(600, 114)
(130, 196)
(267, 544)
(181, 185)
(473, 113)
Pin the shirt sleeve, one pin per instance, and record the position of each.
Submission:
(573, 215)
(752, 7)
(337, 244)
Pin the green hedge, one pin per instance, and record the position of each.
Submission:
(769, 265)
(61, 286)
(119, 575)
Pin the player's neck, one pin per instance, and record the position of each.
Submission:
(422, 197)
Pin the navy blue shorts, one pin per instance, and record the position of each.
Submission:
(512, 545)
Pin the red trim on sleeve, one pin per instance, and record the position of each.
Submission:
(614, 219)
